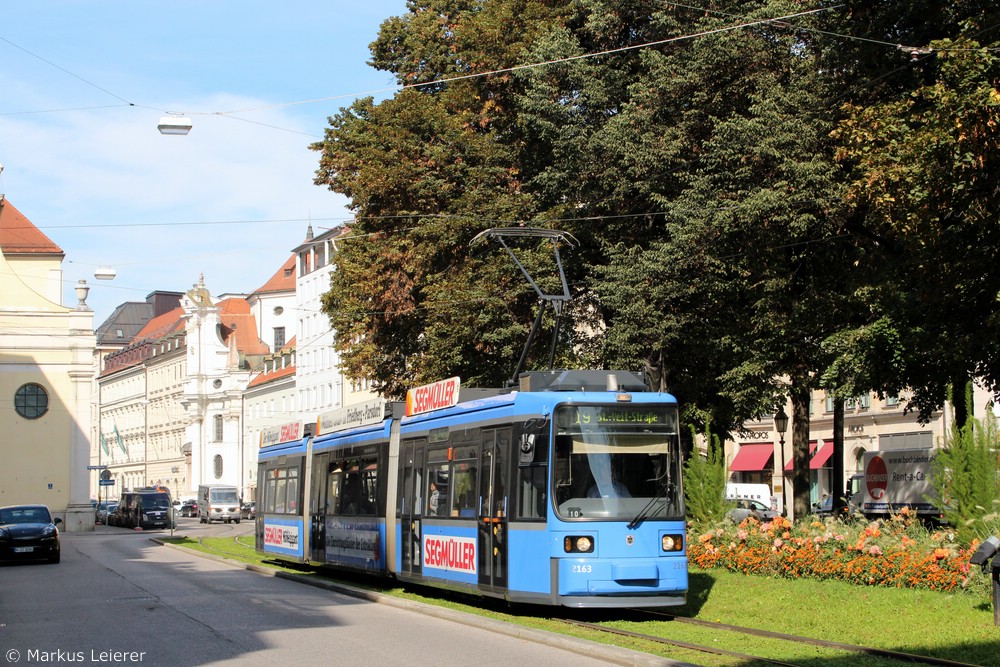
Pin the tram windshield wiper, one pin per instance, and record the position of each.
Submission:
(661, 494)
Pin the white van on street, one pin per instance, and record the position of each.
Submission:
(218, 502)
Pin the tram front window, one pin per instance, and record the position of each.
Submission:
(616, 462)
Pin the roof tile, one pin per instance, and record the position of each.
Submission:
(18, 236)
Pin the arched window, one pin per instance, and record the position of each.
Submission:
(218, 428)
(859, 459)
(217, 461)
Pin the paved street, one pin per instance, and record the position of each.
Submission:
(119, 598)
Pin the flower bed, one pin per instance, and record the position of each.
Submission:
(897, 553)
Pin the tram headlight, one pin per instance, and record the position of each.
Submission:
(672, 542)
(578, 544)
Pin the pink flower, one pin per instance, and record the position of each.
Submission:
(742, 535)
(777, 543)
(874, 550)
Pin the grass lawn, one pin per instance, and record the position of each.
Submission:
(957, 627)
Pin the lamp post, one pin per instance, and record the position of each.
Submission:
(780, 424)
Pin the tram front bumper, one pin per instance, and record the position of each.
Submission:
(616, 577)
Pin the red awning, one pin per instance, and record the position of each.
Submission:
(822, 457)
(818, 459)
(751, 458)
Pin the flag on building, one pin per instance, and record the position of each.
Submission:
(120, 443)
(104, 445)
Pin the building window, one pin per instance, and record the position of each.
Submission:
(279, 338)
(31, 401)
(217, 463)
(891, 401)
(218, 428)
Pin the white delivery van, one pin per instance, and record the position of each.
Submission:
(218, 502)
(759, 492)
(896, 478)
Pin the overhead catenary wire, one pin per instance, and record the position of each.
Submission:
(554, 61)
(449, 79)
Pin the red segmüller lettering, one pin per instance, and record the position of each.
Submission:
(450, 554)
(430, 397)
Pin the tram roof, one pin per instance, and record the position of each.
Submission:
(532, 403)
(355, 435)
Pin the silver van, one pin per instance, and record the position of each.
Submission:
(218, 502)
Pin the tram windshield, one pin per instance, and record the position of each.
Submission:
(617, 462)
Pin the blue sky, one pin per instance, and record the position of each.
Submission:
(84, 83)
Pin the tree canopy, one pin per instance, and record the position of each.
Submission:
(769, 197)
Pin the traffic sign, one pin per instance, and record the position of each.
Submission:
(106, 482)
(97, 467)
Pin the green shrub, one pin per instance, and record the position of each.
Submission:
(705, 482)
(965, 475)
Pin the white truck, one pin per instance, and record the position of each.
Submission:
(218, 502)
(893, 479)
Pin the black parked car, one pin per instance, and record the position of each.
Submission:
(189, 508)
(143, 508)
(28, 532)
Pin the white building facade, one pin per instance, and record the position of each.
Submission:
(318, 379)
(271, 400)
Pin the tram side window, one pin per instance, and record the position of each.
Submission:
(437, 490)
(463, 480)
(531, 501)
(334, 482)
(279, 494)
(353, 487)
(532, 475)
(351, 491)
(292, 501)
(369, 487)
(282, 490)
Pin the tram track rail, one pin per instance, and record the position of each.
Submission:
(899, 656)
(700, 648)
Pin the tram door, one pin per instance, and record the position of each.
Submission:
(317, 503)
(411, 483)
(492, 547)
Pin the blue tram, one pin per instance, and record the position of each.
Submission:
(566, 491)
